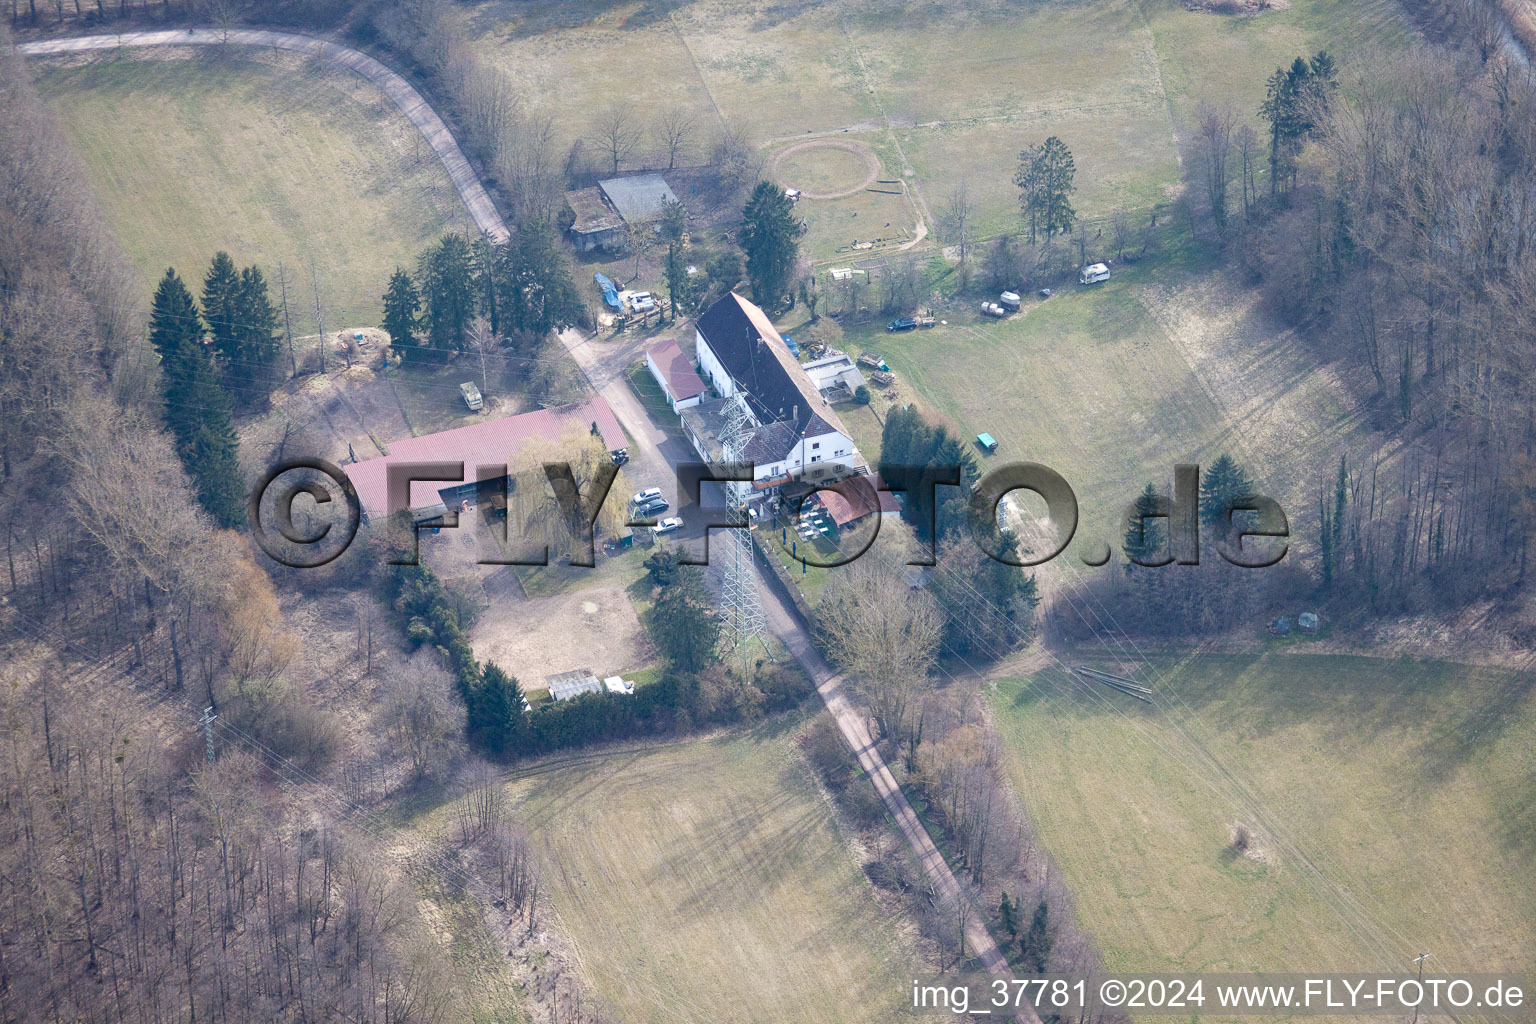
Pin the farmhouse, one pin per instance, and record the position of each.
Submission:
(492, 443)
(674, 372)
(792, 431)
(602, 213)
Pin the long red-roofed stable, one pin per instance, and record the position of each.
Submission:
(491, 443)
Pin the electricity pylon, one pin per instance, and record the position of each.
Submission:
(745, 626)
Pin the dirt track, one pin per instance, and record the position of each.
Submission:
(871, 164)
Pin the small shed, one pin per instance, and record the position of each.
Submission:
(1307, 622)
(565, 685)
(596, 225)
(618, 684)
(1281, 626)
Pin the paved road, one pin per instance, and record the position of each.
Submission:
(399, 91)
(604, 363)
(654, 451)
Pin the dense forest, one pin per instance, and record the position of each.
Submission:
(137, 883)
(1402, 246)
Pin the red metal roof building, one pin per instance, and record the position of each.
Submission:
(491, 443)
(674, 372)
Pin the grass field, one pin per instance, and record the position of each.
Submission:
(1113, 385)
(1406, 785)
(270, 157)
(945, 90)
(704, 881)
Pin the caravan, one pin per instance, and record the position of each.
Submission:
(1093, 273)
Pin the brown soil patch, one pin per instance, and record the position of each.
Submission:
(593, 628)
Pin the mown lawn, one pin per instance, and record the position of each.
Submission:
(704, 881)
(273, 158)
(1399, 792)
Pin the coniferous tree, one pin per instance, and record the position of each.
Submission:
(1221, 484)
(674, 229)
(1333, 524)
(255, 337)
(684, 627)
(448, 293)
(537, 293)
(1035, 947)
(402, 311)
(1045, 181)
(496, 720)
(1146, 538)
(221, 300)
(174, 321)
(770, 238)
(1295, 99)
(1009, 917)
(196, 407)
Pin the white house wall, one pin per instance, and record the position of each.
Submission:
(711, 369)
(666, 388)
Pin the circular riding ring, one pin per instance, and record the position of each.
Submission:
(871, 165)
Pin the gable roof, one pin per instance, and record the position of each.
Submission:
(637, 197)
(682, 381)
(754, 354)
(848, 501)
(592, 211)
(490, 443)
(770, 442)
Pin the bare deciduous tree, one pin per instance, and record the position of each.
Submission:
(614, 134)
(1213, 136)
(423, 713)
(675, 130)
(886, 634)
(957, 220)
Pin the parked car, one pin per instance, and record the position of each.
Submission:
(904, 323)
(472, 397)
(667, 525)
(1093, 273)
(646, 496)
(655, 506)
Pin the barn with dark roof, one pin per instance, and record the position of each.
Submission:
(795, 434)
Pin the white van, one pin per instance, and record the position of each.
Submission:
(1093, 273)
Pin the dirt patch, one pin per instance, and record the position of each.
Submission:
(532, 638)
(871, 165)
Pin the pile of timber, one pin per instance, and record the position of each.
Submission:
(1126, 686)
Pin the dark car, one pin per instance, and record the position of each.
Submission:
(650, 508)
(906, 323)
